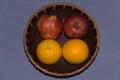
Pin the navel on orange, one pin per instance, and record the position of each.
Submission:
(49, 51)
(75, 51)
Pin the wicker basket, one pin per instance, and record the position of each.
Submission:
(32, 38)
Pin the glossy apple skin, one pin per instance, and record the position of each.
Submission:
(49, 26)
(76, 26)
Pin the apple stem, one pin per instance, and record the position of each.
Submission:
(77, 25)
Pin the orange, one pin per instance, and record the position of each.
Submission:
(49, 51)
(75, 51)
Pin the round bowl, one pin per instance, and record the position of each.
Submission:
(32, 38)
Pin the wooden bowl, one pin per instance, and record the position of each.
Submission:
(32, 38)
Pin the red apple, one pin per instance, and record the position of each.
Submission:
(76, 26)
(49, 26)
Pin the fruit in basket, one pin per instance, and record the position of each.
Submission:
(75, 51)
(49, 51)
(49, 26)
(76, 26)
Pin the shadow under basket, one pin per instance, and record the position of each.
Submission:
(32, 38)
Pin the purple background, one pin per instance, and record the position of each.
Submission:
(14, 64)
